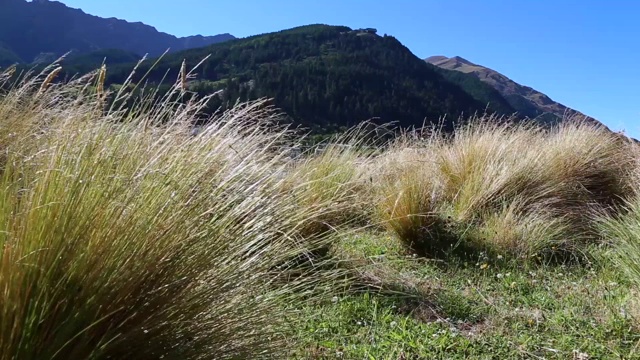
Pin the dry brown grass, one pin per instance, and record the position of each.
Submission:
(517, 189)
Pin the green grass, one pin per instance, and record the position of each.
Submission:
(426, 309)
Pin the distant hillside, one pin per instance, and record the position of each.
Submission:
(7, 57)
(527, 101)
(325, 78)
(42, 30)
(83, 63)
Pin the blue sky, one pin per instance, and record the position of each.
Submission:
(584, 54)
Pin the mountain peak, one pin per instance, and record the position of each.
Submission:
(452, 63)
(527, 101)
(436, 58)
(29, 29)
(462, 60)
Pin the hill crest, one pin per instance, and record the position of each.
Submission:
(526, 100)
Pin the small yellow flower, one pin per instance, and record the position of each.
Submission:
(484, 266)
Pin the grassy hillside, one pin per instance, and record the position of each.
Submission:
(481, 91)
(126, 233)
(83, 63)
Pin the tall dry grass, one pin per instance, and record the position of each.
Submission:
(511, 188)
(621, 230)
(334, 177)
(124, 235)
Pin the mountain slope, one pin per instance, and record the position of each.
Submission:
(323, 77)
(30, 29)
(527, 101)
(480, 90)
(7, 57)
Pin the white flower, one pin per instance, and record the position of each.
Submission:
(578, 355)
(623, 312)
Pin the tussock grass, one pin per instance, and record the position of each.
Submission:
(334, 178)
(511, 188)
(621, 230)
(409, 202)
(125, 235)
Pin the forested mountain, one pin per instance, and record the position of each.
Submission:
(324, 77)
(75, 64)
(42, 30)
(527, 101)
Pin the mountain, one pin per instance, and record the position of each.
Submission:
(525, 100)
(42, 30)
(7, 57)
(324, 77)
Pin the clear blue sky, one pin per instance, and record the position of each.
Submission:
(582, 53)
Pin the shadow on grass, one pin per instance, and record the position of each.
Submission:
(423, 302)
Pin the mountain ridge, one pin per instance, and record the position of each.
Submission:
(325, 77)
(43, 29)
(525, 99)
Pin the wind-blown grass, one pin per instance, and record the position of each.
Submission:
(333, 177)
(125, 235)
(621, 230)
(515, 189)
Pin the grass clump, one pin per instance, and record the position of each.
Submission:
(409, 204)
(333, 179)
(124, 235)
(511, 188)
(622, 231)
